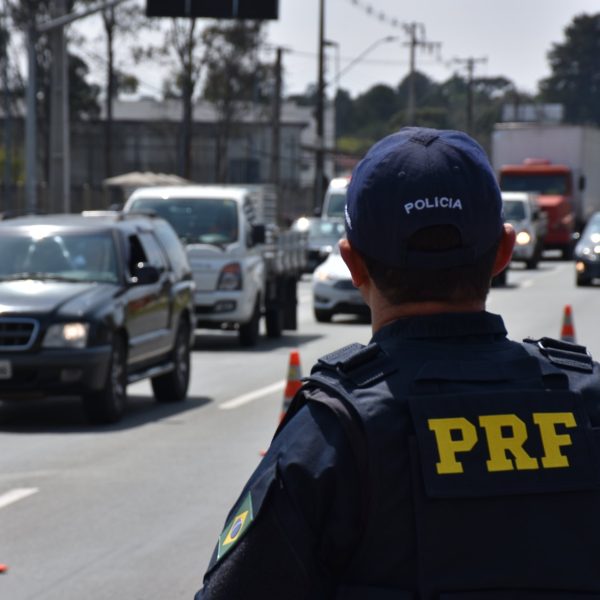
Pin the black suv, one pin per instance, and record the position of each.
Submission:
(90, 303)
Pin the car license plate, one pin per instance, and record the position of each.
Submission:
(5, 369)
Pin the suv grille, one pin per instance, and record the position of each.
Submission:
(17, 334)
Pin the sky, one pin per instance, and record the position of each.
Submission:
(508, 38)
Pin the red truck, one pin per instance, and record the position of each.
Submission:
(560, 163)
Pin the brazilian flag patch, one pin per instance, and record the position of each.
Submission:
(235, 529)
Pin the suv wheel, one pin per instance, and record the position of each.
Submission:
(173, 386)
(107, 405)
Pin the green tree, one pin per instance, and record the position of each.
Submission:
(575, 67)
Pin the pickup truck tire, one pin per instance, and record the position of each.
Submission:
(249, 332)
(323, 316)
(290, 317)
(108, 404)
(274, 321)
(173, 386)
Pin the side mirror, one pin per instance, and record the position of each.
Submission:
(145, 274)
(258, 234)
(581, 182)
(317, 210)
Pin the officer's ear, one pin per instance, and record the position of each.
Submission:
(354, 262)
(505, 249)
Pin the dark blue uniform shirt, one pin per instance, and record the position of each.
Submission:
(311, 524)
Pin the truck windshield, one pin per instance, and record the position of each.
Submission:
(29, 254)
(335, 205)
(196, 220)
(547, 185)
(514, 210)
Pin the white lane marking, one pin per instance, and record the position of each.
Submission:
(16, 495)
(251, 396)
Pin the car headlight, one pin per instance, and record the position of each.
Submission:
(67, 335)
(322, 275)
(523, 238)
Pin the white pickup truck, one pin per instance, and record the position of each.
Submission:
(244, 267)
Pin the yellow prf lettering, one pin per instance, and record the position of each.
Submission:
(552, 441)
(447, 447)
(499, 445)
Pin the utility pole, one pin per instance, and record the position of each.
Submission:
(336, 46)
(6, 105)
(470, 64)
(416, 33)
(63, 173)
(276, 133)
(109, 22)
(319, 150)
(60, 147)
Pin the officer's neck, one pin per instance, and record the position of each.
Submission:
(383, 313)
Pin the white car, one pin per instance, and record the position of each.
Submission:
(333, 292)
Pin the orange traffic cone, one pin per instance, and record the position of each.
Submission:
(292, 385)
(567, 333)
(294, 382)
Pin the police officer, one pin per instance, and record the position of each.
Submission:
(442, 460)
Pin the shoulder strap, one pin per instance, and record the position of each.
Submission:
(351, 425)
(564, 355)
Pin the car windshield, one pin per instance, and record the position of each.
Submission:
(514, 210)
(196, 220)
(547, 185)
(336, 204)
(327, 229)
(33, 253)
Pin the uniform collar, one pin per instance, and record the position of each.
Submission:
(444, 325)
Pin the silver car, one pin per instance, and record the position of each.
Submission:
(333, 292)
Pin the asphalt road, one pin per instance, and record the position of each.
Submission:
(133, 511)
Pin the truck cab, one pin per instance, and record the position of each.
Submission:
(237, 276)
(334, 201)
(554, 184)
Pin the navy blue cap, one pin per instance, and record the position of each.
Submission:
(418, 178)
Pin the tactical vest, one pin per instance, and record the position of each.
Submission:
(480, 478)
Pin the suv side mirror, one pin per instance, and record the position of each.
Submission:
(581, 183)
(145, 274)
(258, 234)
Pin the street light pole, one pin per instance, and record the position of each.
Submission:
(331, 43)
(319, 153)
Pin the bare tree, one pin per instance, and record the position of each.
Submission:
(183, 38)
(234, 74)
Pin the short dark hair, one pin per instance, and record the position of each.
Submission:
(400, 285)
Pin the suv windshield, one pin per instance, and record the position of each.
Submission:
(196, 220)
(547, 185)
(34, 254)
(514, 210)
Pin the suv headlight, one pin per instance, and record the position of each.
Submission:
(523, 238)
(67, 335)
